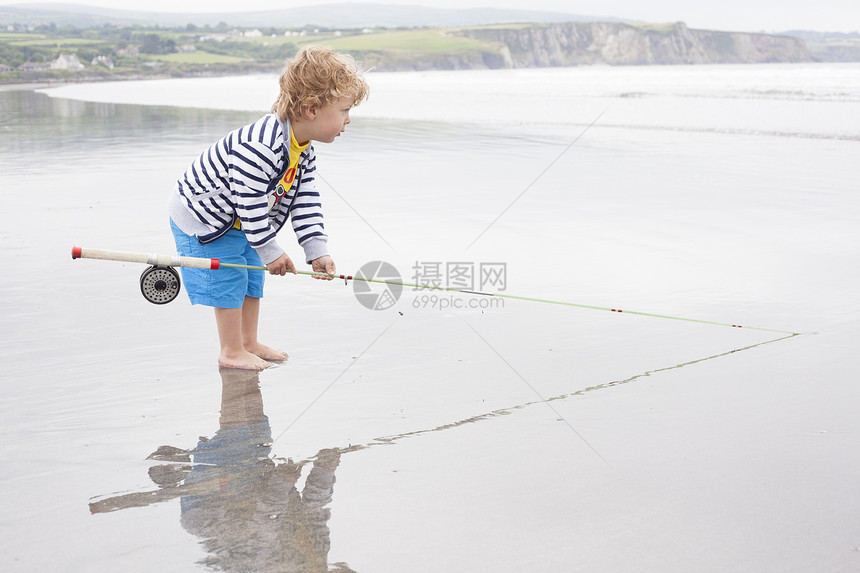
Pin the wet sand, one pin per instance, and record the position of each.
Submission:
(525, 437)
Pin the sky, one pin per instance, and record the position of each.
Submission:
(734, 15)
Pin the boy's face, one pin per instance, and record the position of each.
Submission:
(327, 122)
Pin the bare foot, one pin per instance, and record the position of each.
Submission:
(267, 353)
(243, 359)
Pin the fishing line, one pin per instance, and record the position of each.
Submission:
(393, 439)
(163, 289)
(366, 222)
(538, 394)
(332, 383)
(536, 179)
(162, 261)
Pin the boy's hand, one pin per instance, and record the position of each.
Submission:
(324, 264)
(281, 265)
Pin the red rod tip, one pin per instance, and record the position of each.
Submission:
(215, 264)
(76, 252)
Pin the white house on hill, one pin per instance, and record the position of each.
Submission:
(70, 62)
(103, 61)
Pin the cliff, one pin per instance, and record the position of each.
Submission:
(581, 43)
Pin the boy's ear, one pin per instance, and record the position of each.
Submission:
(309, 112)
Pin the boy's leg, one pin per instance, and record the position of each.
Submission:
(233, 351)
(227, 290)
(250, 320)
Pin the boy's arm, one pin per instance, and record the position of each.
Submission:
(252, 167)
(306, 214)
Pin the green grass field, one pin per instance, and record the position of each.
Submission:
(432, 41)
(53, 42)
(421, 40)
(513, 26)
(12, 36)
(198, 57)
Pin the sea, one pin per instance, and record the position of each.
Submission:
(651, 369)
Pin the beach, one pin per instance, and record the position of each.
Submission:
(447, 431)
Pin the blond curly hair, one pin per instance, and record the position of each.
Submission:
(317, 76)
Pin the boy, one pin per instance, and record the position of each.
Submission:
(235, 197)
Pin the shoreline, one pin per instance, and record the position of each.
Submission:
(42, 81)
(23, 86)
(38, 83)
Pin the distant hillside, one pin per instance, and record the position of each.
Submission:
(325, 15)
(112, 52)
(830, 46)
(584, 43)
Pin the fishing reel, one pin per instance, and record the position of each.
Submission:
(159, 284)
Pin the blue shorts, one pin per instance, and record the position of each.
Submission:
(225, 287)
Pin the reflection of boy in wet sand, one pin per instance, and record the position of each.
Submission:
(245, 507)
(256, 519)
(235, 197)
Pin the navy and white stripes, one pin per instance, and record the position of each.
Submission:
(235, 177)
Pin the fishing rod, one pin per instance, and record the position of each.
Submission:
(160, 282)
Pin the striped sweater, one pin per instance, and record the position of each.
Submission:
(237, 177)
